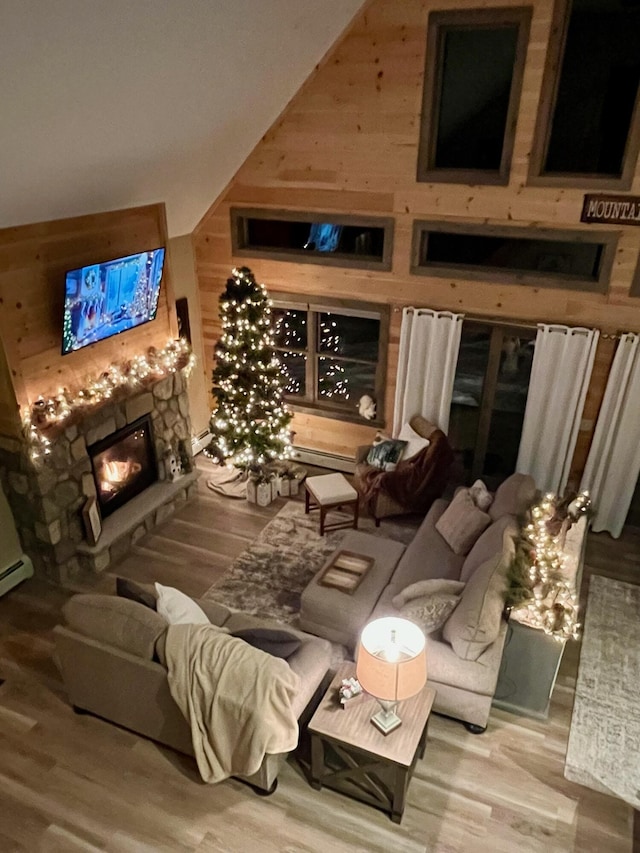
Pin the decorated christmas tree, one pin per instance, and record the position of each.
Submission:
(250, 425)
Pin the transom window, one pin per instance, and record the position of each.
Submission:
(473, 77)
(333, 354)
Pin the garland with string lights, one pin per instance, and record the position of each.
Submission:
(539, 589)
(250, 425)
(140, 371)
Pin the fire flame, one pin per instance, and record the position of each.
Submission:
(116, 474)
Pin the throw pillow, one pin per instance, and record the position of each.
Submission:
(432, 586)
(415, 442)
(482, 497)
(274, 641)
(135, 592)
(462, 523)
(430, 612)
(177, 608)
(386, 453)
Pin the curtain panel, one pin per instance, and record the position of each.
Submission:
(560, 375)
(429, 344)
(613, 464)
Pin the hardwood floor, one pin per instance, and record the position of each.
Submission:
(76, 783)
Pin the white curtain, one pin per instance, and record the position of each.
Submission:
(560, 375)
(613, 465)
(429, 344)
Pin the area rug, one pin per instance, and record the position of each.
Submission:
(604, 738)
(268, 578)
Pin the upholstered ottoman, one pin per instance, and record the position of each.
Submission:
(330, 491)
(340, 616)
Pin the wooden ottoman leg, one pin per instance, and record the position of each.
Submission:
(355, 514)
(323, 512)
(306, 501)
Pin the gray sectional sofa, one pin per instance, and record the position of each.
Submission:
(464, 656)
(107, 654)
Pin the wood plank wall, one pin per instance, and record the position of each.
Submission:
(33, 262)
(348, 142)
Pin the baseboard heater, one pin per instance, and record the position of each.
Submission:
(13, 574)
(200, 441)
(324, 460)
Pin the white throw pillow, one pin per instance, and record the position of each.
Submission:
(462, 522)
(432, 586)
(177, 608)
(430, 612)
(415, 442)
(480, 495)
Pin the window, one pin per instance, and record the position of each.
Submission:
(320, 238)
(576, 260)
(332, 354)
(588, 132)
(473, 76)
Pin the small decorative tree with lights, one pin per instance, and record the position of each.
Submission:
(250, 425)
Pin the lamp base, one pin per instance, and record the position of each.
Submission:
(386, 721)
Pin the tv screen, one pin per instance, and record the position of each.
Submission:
(102, 300)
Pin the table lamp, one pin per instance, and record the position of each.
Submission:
(391, 666)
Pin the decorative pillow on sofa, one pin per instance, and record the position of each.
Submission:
(136, 592)
(431, 586)
(430, 612)
(385, 453)
(481, 496)
(475, 622)
(274, 641)
(177, 608)
(414, 442)
(462, 523)
(514, 496)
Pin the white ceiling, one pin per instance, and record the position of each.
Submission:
(106, 104)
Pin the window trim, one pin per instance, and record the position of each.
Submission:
(546, 108)
(241, 247)
(431, 92)
(498, 275)
(366, 310)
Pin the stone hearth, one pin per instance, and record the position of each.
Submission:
(47, 498)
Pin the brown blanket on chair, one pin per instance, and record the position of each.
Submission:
(237, 699)
(415, 483)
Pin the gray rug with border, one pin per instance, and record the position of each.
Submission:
(604, 738)
(269, 576)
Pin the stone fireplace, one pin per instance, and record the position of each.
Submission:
(116, 454)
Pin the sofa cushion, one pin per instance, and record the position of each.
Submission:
(462, 523)
(430, 612)
(427, 555)
(177, 608)
(144, 594)
(420, 589)
(475, 623)
(116, 621)
(274, 641)
(489, 543)
(445, 667)
(386, 453)
(514, 496)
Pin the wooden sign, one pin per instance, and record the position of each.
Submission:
(611, 209)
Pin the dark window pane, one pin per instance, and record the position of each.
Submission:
(344, 381)
(294, 367)
(477, 71)
(315, 238)
(546, 257)
(289, 328)
(355, 337)
(597, 89)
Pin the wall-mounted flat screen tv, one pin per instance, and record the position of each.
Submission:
(102, 300)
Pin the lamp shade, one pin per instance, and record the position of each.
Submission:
(392, 662)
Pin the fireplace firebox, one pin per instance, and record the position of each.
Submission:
(124, 464)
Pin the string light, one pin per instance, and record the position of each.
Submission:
(47, 412)
(548, 597)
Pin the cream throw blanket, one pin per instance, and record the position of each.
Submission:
(236, 698)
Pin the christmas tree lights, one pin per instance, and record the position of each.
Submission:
(250, 425)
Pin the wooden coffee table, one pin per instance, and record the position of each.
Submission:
(350, 755)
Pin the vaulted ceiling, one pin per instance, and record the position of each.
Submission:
(107, 104)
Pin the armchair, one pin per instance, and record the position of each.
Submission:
(414, 484)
